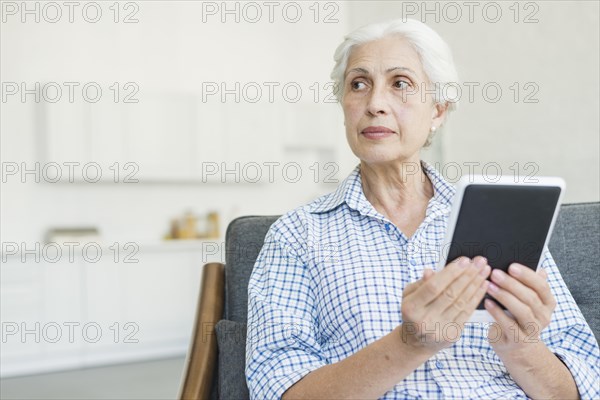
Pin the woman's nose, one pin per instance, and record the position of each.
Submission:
(377, 102)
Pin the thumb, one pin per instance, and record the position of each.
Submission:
(411, 287)
(427, 273)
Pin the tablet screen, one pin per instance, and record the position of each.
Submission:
(504, 223)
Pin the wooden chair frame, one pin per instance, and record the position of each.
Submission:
(201, 359)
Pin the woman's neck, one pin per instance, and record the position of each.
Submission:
(399, 191)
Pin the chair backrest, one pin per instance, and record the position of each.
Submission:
(575, 246)
(243, 240)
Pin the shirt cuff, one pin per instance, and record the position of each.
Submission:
(287, 381)
(585, 375)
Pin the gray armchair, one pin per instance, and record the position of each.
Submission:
(216, 359)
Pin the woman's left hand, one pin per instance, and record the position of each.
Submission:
(527, 296)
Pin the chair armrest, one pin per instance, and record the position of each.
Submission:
(202, 354)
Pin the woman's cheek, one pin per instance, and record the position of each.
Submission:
(401, 114)
(352, 113)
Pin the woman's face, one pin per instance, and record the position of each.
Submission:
(386, 116)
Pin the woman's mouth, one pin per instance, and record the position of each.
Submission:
(377, 132)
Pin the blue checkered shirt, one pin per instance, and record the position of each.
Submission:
(329, 281)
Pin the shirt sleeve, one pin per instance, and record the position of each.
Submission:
(282, 343)
(569, 336)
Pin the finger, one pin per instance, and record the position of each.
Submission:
(429, 290)
(466, 299)
(537, 281)
(525, 294)
(547, 296)
(427, 273)
(462, 289)
(499, 315)
(463, 316)
(521, 311)
(410, 288)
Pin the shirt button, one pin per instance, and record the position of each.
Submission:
(439, 364)
(387, 227)
(413, 262)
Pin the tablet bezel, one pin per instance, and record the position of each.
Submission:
(518, 181)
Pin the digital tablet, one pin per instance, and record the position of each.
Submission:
(508, 220)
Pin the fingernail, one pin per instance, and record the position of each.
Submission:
(514, 269)
(464, 262)
(498, 275)
(485, 270)
(492, 288)
(489, 303)
(481, 262)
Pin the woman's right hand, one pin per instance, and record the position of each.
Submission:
(436, 307)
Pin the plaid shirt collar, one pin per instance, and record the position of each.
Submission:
(350, 192)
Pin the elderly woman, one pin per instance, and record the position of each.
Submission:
(343, 301)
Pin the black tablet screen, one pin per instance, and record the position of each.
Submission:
(504, 223)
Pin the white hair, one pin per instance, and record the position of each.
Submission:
(433, 51)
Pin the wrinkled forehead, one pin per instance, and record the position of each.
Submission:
(382, 55)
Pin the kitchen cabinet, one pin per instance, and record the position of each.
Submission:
(83, 311)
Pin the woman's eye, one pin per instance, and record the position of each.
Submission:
(401, 84)
(357, 85)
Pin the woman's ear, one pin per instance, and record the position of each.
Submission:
(438, 114)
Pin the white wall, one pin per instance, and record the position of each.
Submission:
(168, 54)
(558, 55)
(172, 50)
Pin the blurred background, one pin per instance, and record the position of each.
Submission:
(133, 132)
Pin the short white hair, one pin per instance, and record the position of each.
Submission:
(433, 51)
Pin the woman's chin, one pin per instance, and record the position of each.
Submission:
(374, 159)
